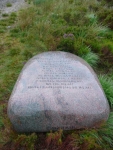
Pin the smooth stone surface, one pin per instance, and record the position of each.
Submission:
(57, 90)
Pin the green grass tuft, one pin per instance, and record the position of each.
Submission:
(5, 15)
(107, 84)
(8, 4)
(106, 133)
(91, 58)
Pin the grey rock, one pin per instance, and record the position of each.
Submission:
(16, 5)
(3, 3)
(57, 90)
(8, 27)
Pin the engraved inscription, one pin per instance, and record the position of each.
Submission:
(58, 74)
(62, 127)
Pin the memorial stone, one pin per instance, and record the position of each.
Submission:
(57, 90)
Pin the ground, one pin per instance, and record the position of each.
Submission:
(8, 6)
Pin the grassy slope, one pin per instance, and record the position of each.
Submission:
(82, 27)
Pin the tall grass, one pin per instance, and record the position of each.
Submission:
(91, 58)
(50, 25)
(107, 84)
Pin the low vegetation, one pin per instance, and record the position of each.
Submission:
(8, 4)
(81, 27)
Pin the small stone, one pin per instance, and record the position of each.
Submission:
(57, 90)
(8, 27)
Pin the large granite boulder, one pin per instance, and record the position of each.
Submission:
(57, 90)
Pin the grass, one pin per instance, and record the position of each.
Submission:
(8, 4)
(91, 58)
(5, 15)
(81, 27)
(107, 84)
